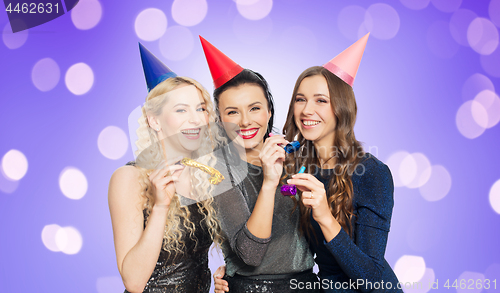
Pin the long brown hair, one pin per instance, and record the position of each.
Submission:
(347, 151)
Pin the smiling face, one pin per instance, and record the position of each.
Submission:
(244, 113)
(182, 119)
(313, 111)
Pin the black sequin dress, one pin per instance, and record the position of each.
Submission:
(187, 272)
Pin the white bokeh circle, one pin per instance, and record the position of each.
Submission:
(447, 5)
(440, 40)
(490, 102)
(394, 162)
(73, 183)
(68, 240)
(382, 20)
(349, 21)
(86, 14)
(421, 164)
(464, 283)
(438, 185)
(465, 121)
(14, 165)
(45, 74)
(408, 170)
(177, 43)
(475, 84)
(150, 24)
(494, 12)
(415, 4)
(482, 36)
(7, 185)
(494, 196)
(255, 9)
(49, 237)
(112, 142)
(79, 78)
(410, 268)
(459, 24)
(189, 12)
(13, 40)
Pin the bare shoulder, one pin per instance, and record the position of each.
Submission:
(125, 183)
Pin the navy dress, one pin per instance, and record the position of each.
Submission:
(357, 264)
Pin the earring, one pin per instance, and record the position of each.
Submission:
(157, 129)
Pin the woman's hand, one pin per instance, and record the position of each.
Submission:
(162, 184)
(272, 156)
(220, 284)
(313, 195)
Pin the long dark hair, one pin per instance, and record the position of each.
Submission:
(348, 151)
(248, 76)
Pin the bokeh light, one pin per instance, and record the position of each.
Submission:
(465, 285)
(447, 5)
(439, 183)
(490, 63)
(254, 9)
(252, 32)
(350, 20)
(79, 78)
(73, 183)
(415, 4)
(13, 40)
(383, 22)
(408, 170)
(492, 273)
(7, 185)
(410, 268)
(150, 24)
(189, 12)
(112, 142)
(490, 102)
(86, 14)
(49, 237)
(482, 36)
(422, 163)
(177, 43)
(424, 285)
(45, 74)
(68, 240)
(394, 162)
(459, 24)
(494, 196)
(494, 12)
(440, 41)
(475, 84)
(465, 121)
(14, 165)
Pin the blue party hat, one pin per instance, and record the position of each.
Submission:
(154, 70)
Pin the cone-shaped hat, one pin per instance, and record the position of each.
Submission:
(221, 67)
(154, 70)
(345, 65)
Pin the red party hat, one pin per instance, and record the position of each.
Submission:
(345, 65)
(221, 67)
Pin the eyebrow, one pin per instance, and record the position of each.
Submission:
(186, 105)
(252, 104)
(315, 95)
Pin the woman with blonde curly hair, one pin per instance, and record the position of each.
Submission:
(163, 219)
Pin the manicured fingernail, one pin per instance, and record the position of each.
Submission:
(271, 134)
(288, 181)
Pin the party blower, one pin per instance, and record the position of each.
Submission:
(290, 189)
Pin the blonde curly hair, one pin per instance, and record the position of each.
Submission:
(151, 155)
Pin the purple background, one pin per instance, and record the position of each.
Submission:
(409, 89)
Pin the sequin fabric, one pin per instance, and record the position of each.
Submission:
(187, 272)
(302, 282)
(346, 260)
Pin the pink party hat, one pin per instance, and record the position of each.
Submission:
(345, 65)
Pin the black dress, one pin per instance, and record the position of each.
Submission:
(185, 272)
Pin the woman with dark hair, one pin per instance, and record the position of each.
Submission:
(263, 249)
(347, 195)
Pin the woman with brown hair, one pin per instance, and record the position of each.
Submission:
(347, 195)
